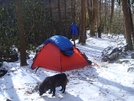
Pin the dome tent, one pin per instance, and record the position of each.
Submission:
(55, 55)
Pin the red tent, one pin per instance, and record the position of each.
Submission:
(50, 57)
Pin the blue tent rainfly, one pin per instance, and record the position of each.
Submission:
(62, 43)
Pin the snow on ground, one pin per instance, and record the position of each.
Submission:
(106, 82)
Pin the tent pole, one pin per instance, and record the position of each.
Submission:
(36, 69)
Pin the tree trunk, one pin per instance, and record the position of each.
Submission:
(73, 10)
(112, 14)
(99, 21)
(105, 20)
(65, 26)
(82, 39)
(51, 16)
(94, 17)
(60, 19)
(21, 33)
(131, 20)
(89, 6)
(127, 23)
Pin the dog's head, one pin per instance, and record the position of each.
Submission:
(43, 89)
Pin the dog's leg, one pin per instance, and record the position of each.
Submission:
(63, 89)
(53, 89)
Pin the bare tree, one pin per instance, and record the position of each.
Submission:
(82, 39)
(89, 10)
(112, 13)
(106, 11)
(51, 16)
(21, 33)
(60, 19)
(127, 23)
(131, 20)
(65, 26)
(73, 10)
(94, 17)
(100, 28)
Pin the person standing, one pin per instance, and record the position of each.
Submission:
(74, 31)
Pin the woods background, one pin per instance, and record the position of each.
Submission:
(28, 23)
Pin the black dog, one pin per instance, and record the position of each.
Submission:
(52, 82)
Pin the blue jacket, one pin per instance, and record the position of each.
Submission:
(74, 29)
